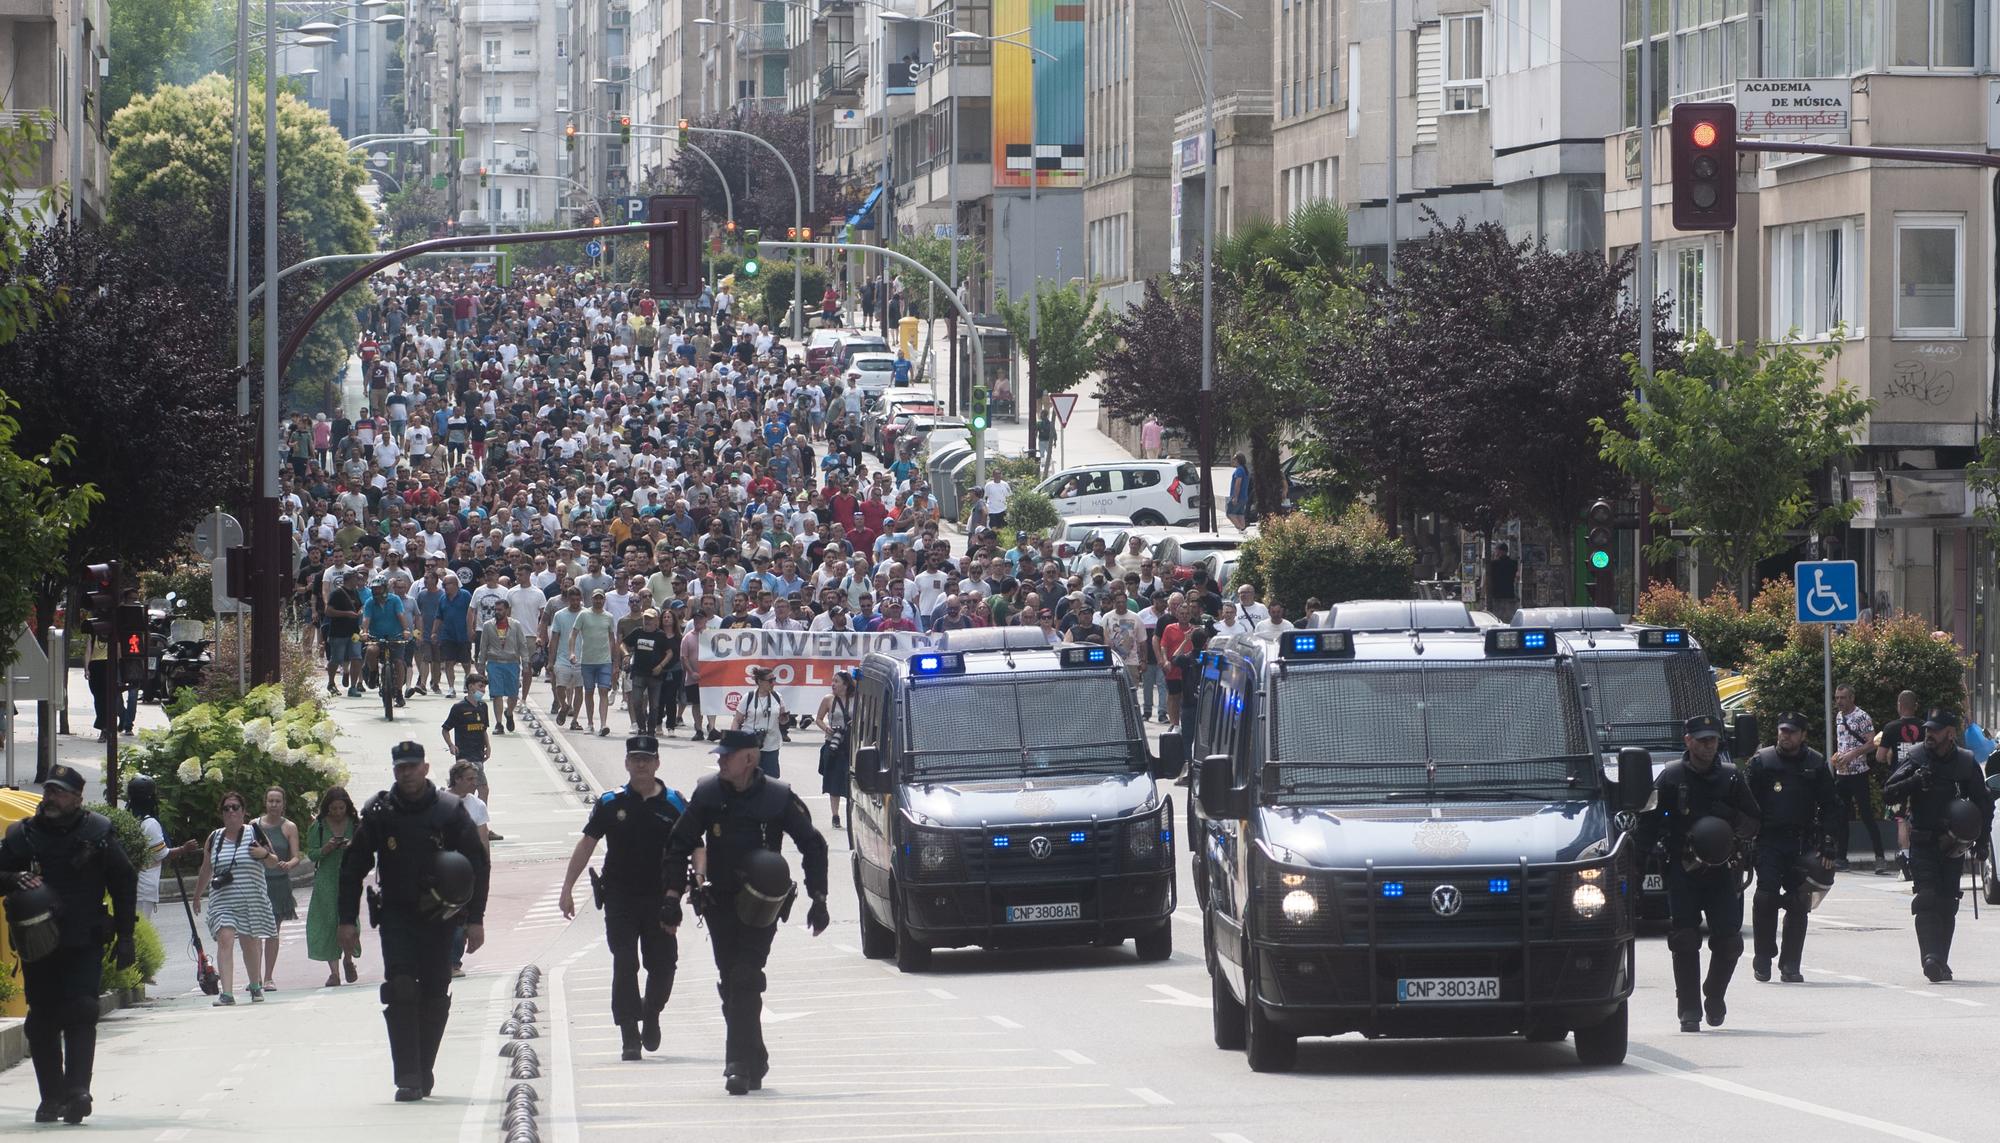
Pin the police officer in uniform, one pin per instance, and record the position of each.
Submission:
(635, 823)
(1796, 797)
(1951, 817)
(57, 867)
(1703, 807)
(738, 815)
(432, 879)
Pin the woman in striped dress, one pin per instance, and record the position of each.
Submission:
(233, 882)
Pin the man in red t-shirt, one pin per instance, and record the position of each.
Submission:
(1173, 640)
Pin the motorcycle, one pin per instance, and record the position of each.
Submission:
(183, 657)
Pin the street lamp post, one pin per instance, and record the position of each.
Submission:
(798, 202)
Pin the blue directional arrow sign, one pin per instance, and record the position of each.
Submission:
(593, 248)
(1829, 591)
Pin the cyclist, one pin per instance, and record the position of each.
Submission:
(385, 623)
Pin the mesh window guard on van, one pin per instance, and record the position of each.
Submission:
(1642, 698)
(1027, 725)
(1381, 733)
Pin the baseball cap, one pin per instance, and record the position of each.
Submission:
(650, 613)
(65, 777)
(734, 740)
(406, 752)
(1941, 719)
(1792, 720)
(1702, 726)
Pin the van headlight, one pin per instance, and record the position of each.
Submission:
(1142, 839)
(1588, 900)
(1299, 906)
(933, 856)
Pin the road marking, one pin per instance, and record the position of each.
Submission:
(1866, 1123)
(771, 1017)
(171, 1135)
(1188, 916)
(1004, 1022)
(1230, 1137)
(848, 949)
(562, 1066)
(1179, 997)
(196, 1113)
(472, 1126)
(940, 993)
(1148, 1095)
(1075, 1057)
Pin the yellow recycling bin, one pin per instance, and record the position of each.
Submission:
(906, 335)
(14, 805)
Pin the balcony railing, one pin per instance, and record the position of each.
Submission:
(758, 39)
(502, 12)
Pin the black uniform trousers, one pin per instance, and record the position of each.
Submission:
(1780, 886)
(740, 954)
(1935, 895)
(632, 929)
(1716, 895)
(416, 993)
(61, 990)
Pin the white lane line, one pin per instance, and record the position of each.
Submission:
(562, 1066)
(1148, 1095)
(472, 1126)
(196, 1113)
(1866, 1123)
(1230, 1137)
(1176, 996)
(940, 993)
(171, 1135)
(1188, 916)
(1004, 1022)
(848, 949)
(1075, 1057)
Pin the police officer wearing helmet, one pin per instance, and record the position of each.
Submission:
(57, 867)
(634, 822)
(738, 814)
(1703, 808)
(432, 878)
(1796, 796)
(1951, 817)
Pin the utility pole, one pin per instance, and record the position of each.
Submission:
(271, 547)
(1205, 407)
(1644, 271)
(1395, 111)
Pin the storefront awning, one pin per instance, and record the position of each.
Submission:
(864, 218)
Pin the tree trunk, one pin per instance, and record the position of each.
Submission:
(1267, 470)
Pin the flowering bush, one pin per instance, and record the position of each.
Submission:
(249, 744)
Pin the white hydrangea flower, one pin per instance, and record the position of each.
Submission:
(189, 771)
(214, 775)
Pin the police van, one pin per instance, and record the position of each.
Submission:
(1406, 831)
(1644, 683)
(1004, 796)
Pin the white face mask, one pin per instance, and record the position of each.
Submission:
(475, 696)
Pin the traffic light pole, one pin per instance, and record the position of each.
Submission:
(798, 209)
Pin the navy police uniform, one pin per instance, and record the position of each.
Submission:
(635, 830)
(400, 837)
(79, 861)
(1929, 781)
(731, 824)
(1684, 793)
(1798, 801)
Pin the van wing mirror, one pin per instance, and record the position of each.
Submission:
(1635, 778)
(1171, 761)
(1743, 737)
(868, 769)
(1215, 792)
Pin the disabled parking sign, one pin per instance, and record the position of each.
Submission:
(1829, 591)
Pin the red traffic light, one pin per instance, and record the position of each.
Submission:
(1703, 137)
(1704, 134)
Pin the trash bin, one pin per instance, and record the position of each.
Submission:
(14, 805)
(906, 333)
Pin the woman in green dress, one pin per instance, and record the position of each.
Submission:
(327, 840)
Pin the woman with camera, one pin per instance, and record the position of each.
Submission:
(836, 710)
(232, 881)
(327, 840)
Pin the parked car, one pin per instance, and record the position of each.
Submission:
(1180, 555)
(821, 348)
(1221, 568)
(930, 430)
(853, 343)
(1147, 492)
(885, 409)
(1075, 532)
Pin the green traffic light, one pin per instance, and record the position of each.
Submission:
(979, 423)
(749, 267)
(1600, 559)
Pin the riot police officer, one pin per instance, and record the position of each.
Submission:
(432, 878)
(634, 822)
(1796, 797)
(738, 815)
(1951, 816)
(57, 866)
(1704, 809)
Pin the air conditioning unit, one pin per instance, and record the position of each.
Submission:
(519, 166)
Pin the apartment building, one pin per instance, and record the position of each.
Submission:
(53, 57)
(666, 74)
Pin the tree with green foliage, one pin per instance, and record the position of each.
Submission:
(1877, 658)
(1299, 557)
(38, 516)
(774, 286)
(1074, 334)
(1731, 443)
(934, 254)
(158, 42)
(169, 197)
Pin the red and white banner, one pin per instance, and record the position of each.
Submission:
(804, 661)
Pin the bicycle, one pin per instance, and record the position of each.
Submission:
(389, 656)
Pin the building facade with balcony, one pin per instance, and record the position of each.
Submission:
(666, 73)
(52, 63)
(1889, 261)
(510, 59)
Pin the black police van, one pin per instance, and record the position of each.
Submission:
(1406, 831)
(1643, 684)
(1004, 796)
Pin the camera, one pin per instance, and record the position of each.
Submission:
(223, 879)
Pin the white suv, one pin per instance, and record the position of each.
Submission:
(1146, 492)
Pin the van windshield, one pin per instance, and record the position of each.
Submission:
(1069, 725)
(1481, 730)
(1641, 699)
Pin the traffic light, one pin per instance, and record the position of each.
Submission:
(569, 137)
(98, 589)
(597, 220)
(979, 408)
(673, 258)
(625, 128)
(482, 178)
(130, 623)
(1598, 541)
(1704, 160)
(684, 132)
(750, 264)
(791, 234)
(806, 235)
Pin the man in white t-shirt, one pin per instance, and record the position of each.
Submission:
(465, 783)
(996, 493)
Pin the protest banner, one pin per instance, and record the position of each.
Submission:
(804, 662)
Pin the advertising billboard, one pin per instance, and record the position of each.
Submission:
(1054, 81)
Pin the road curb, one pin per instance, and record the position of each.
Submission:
(14, 1030)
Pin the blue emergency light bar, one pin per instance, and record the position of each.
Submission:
(1316, 645)
(1392, 888)
(1520, 641)
(1664, 639)
(1086, 656)
(938, 663)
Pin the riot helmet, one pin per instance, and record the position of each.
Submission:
(32, 923)
(1710, 843)
(1962, 828)
(767, 886)
(1816, 880)
(448, 886)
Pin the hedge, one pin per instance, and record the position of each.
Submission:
(1298, 557)
(1877, 658)
(1728, 634)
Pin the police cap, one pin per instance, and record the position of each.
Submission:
(1792, 720)
(1941, 719)
(734, 740)
(65, 777)
(642, 744)
(1702, 726)
(406, 753)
